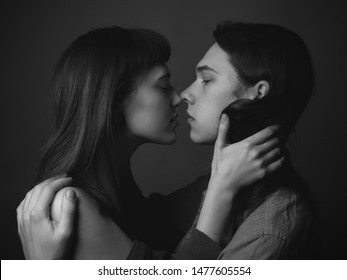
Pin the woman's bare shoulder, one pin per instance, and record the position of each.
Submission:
(97, 236)
(82, 197)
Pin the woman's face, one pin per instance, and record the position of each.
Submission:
(150, 111)
(215, 87)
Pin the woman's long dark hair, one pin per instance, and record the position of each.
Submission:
(280, 57)
(91, 80)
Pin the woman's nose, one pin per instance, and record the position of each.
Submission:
(176, 99)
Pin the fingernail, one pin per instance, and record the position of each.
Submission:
(224, 118)
(276, 127)
(70, 194)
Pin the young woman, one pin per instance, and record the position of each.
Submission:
(265, 73)
(112, 94)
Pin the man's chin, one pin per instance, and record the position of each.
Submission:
(198, 139)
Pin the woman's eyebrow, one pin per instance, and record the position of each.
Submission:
(201, 68)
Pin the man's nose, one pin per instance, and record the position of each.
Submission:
(187, 96)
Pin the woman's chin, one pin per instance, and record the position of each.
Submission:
(167, 139)
(170, 139)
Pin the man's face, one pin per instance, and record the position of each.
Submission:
(215, 87)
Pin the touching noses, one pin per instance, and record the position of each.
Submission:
(176, 99)
(187, 96)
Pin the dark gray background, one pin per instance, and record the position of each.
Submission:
(35, 33)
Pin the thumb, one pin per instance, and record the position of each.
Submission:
(222, 131)
(68, 211)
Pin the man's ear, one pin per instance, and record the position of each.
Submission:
(263, 88)
(258, 91)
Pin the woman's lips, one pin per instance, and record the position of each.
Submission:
(174, 119)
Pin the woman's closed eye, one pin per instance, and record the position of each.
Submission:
(165, 87)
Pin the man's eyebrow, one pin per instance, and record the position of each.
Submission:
(205, 68)
(164, 76)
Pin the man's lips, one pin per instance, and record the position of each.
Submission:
(189, 116)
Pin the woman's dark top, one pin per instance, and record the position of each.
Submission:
(158, 223)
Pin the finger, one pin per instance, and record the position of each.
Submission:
(55, 178)
(51, 180)
(19, 211)
(33, 197)
(20, 217)
(24, 215)
(268, 146)
(58, 183)
(36, 192)
(271, 156)
(263, 135)
(68, 211)
(274, 166)
(42, 207)
(26, 200)
(221, 140)
(21, 225)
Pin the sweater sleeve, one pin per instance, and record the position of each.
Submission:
(277, 229)
(261, 247)
(194, 246)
